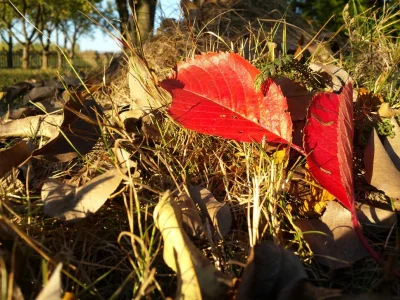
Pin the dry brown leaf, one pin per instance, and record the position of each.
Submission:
(333, 239)
(303, 290)
(52, 289)
(35, 126)
(368, 99)
(269, 270)
(380, 171)
(191, 220)
(79, 133)
(125, 161)
(69, 203)
(197, 277)
(385, 111)
(298, 97)
(318, 198)
(335, 76)
(143, 91)
(392, 145)
(13, 157)
(217, 213)
(375, 220)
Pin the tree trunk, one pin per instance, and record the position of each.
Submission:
(59, 54)
(45, 59)
(72, 51)
(124, 26)
(145, 11)
(10, 64)
(25, 55)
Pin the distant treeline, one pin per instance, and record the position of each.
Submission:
(88, 59)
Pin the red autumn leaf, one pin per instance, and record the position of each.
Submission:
(214, 94)
(328, 141)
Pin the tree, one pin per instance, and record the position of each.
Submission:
(7, 20)
(77, 20)
(24, 10)
(144, 11)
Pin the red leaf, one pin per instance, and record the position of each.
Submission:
(328, 141)
(214, 94)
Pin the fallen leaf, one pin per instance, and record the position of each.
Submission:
(35, 126)
(385, 111)
(303, 290)
(40, 93)
(217, 213)
(69, 203)
(214, 94)
(13, 157)
(24, 112)
(332, 239)
(197, 277)
(145, 95)
(375, 220)
(314, 202)
(269, 270)
(77, 136)
(191, 220)
(380, 171)
(334, 76)
(52, 289)
(328, 141)
(392, 145)
(298, 97)
(367, 99)
(17, 90)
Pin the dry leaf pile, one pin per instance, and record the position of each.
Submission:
(104, 191)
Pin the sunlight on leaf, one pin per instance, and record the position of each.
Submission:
(197, 277)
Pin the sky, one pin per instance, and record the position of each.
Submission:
(103, 43)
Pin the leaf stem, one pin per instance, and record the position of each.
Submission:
(363, 240)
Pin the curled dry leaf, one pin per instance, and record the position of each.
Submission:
(269, 270)
(197, 277)
(380, 171)
(46, 125)
(52, 289)
(332, 239)
(79, 133)
(392, 145)
(144, 94)
(69, 203)
(13, 157)
(217, 213)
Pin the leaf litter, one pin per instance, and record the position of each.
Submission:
(199, 214)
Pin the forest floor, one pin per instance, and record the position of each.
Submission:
(105, 194)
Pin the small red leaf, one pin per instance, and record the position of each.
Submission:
(328, 141)
(214, 94)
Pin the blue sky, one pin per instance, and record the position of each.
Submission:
(102, 42)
